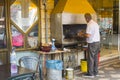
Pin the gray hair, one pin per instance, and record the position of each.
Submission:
(88, 16)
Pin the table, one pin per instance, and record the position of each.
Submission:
(52, 53)
(5, 71)
(43, 55)
(85, 49)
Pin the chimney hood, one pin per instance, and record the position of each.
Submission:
(73, 7)
(72, 11)
(69, 12)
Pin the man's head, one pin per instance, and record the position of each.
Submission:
(88, 17)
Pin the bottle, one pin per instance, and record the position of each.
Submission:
(53, 48)
(13, 61)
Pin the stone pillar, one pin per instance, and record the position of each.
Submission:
(119, 32)
(45, 20)
(119, 18)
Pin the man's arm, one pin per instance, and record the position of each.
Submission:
(82, 34)
(87, 35)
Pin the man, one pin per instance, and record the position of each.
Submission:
(93, 39)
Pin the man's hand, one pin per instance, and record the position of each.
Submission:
(81, 34)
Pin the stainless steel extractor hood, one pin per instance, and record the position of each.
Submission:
(73, 10)
(68, 12)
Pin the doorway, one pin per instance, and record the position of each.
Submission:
(107, 13)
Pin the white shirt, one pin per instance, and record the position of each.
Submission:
(93, 30)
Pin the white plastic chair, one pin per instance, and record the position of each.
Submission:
(29, 62)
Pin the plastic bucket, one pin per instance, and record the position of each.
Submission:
(53, 74)
(83, 67)
(54, 69)
(54, 64)
(98, 58)
(69, 74)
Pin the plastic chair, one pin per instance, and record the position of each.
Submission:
(29, 62)
(26, 76)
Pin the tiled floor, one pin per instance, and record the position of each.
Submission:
(108, 51)
(108, 70)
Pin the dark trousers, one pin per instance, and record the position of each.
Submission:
(92, 59)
